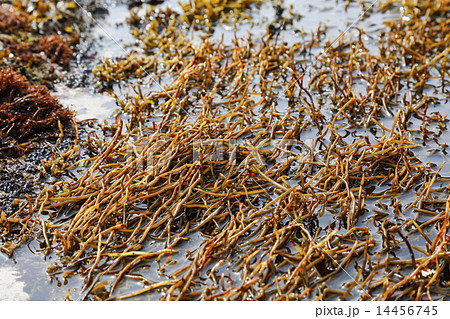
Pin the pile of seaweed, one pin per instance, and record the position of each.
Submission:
(37, 42)
(30, 119)
(27, 110)
(258, 170)
(41, 39)
(41, 57)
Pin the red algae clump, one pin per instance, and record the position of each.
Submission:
(27, 110)
(11, 21)
(56, 49)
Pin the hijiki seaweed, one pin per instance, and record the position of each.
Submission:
(254, 170)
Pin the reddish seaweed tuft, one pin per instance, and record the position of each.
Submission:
(56, 49)
(11, 21)
(27, 110)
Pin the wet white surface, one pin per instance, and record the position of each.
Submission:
(11, 287)
(87, 105)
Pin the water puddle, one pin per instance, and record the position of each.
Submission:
(12, 285)
(88, 105)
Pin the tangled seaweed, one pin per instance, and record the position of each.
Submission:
(255, 173)
(27, 110)
(56, 49)
(12, 21)
(37, 38)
